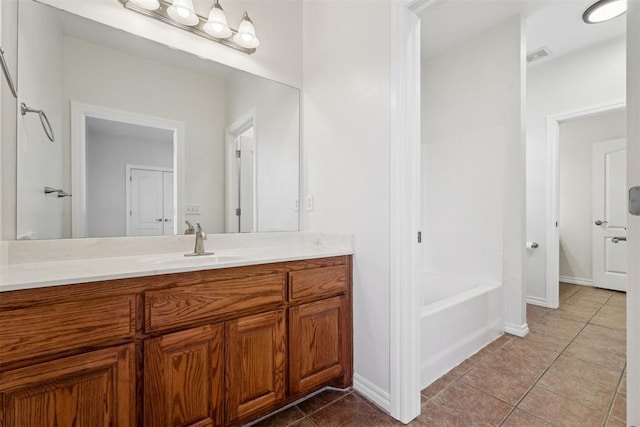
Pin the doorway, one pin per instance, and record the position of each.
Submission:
(579, 202)
(103, 142)
(241, 176)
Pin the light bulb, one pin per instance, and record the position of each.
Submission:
(147, 4)
(604, 10)
(182, 11)
(217, 23)
(246, 35)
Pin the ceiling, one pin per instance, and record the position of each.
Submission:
(129, 131)
(556, 24)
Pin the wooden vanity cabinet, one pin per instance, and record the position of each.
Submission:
(255, 364)
(204, 348)
(183, 378)
(89, 389)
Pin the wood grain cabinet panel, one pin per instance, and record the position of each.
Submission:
(90, 389)
(255, 364)
(49, 329)
(319, 343)
(183, 305)
(317, 282)
(183, 378)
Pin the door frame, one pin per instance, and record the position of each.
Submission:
(127, 193)
(403, 400)
(552, 253)
(234, 130)
(79, 114)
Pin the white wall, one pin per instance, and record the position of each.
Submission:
(346, 147)
(576, 140)
(107, 158)
(40, 87)
(577, 81)
(278, 25)
(473, 177)
(277, 144)
(146, 87)
(8, 118)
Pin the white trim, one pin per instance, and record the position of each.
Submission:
(403, 401)
(553, 190)
(517, 330)
(372, 392)
(127, 193)
(576, 281)
(536, 301)
(79, 114)
(232, 132)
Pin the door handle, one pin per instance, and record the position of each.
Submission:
(159, 219)
(600, 222)
(618, 239)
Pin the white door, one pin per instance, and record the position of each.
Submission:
(609, 214)
(151, 207)
(247, 184)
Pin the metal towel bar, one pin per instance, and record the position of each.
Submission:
(7, 75)
(43, 119)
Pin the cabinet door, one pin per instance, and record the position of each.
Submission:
(319, 344)
(183, 376)
(90, 389)
(256, 353)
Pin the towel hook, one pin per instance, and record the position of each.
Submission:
(43, 119)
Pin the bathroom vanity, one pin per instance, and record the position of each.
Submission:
(207, 347)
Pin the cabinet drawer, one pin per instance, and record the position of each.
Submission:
(317, 282)
(49, 329)
(184, 305)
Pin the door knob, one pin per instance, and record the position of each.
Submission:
(599, 222)
(159, 219)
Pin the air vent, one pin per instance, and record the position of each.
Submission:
(543, 52)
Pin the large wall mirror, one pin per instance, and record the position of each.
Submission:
(146, 137)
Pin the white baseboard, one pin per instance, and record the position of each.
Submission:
(517, 330)
(576, 281)
(537, 301)
(372, 392)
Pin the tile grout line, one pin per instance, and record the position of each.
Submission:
(615, 396)
(557, 357)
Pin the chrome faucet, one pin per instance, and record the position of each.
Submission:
(200, 238)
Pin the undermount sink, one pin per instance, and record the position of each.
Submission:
(199, 259)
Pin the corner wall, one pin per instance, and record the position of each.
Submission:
(346, 149)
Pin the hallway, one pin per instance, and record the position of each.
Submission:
(569, 371)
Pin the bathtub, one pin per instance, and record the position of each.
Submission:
(458, 317)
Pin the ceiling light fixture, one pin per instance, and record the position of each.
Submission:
(604, 10)
(181, 14)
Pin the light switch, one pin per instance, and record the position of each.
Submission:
(309, 203)
(193, 210)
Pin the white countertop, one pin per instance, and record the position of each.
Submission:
(42, 273)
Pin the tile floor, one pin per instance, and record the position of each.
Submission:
(569, 371)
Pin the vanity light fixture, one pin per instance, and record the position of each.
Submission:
(604, 10)
(182, 11)
(217, 23)
(246, 35)
(181, 14)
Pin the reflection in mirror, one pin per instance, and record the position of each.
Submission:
(149, 137)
